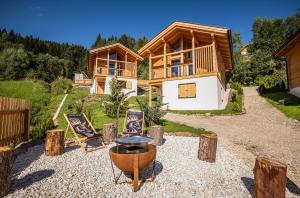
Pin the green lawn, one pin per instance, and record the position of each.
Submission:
(230, 109)
(99, 118)
(292, 110)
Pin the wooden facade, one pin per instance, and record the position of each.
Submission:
(185, 50)
(112, 60)
(291, 52)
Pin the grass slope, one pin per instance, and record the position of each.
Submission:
(292, 110)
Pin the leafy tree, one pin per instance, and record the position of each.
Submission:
(13, 63)
(115, 99)
(292, 24)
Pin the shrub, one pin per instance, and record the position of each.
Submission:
(115, 99)
(77, 105)
(61, 86)
(233, 96)
(39, 131)
(238, 87)
(237, 107)
(152, 115)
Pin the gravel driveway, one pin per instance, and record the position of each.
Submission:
(179, 174)
(263, 130)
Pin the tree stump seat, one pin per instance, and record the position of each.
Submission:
(6, 163)
(55, 142)
(207, 147)
(157, 133)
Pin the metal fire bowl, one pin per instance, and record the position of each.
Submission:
(123, 156)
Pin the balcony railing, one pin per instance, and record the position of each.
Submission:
(115, 68)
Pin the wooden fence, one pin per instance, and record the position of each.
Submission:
(14, 120)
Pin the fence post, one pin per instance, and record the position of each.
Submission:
(26, 125)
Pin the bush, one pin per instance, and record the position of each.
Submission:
(77, 105)
(61, 86)
(152, 115)
(237, 107)
(115, 99)
(39, 131)
(238, 87)
(233, 96)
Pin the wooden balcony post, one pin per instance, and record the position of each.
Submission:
(107, 62)
(181, 56)
(150, 66)
(150, 95)
(193, 53)
(125, 72)
(214, 53)
(135, 68)
(165, 58)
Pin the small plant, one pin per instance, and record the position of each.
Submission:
(233, 96)
(77, 105)
(39, 130)
(237, 107)
(61, 86)
(238, 87)
(115, 100)
(152, 115)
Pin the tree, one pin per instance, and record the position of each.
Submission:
(292, 24)
(13, 63)
(99, 42)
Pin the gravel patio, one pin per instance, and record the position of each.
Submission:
(179, 173)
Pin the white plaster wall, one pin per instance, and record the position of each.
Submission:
(208, 94)
(108, 79)
(295, 91)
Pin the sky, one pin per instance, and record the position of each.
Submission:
(79, 22)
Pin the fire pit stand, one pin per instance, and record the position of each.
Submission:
(133, 159)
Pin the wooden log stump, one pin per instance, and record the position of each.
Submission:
(109, 133)
(157, 133)
(6, 163)
(269, 178)
(55, 142)
(207, 147)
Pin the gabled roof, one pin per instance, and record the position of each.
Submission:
(290, 43)
(222, 34)
(118, 45)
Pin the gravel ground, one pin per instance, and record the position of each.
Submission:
(263, 130)
(179, 174)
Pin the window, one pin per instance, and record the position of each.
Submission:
(187, 90)
(175, 70)
(113, 56)
(111, 69)
(176, 46)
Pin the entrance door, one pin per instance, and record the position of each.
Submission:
(100, 88)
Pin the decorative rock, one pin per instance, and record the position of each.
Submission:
(109, 133)
(55, 142)
(6, 162)
(207, 147)
(270, 178)
(157, 133)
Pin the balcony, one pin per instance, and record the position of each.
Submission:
(207, 60)
(117, 68)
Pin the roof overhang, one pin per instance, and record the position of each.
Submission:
(289, 44)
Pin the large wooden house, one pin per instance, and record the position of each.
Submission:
(187, 64)
(290, 51)
(111, 61)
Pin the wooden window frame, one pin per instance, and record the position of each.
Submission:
(180, 97)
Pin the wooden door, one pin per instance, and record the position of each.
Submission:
(100, 88)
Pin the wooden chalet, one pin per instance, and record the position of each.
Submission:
(110, 61)
(290, 51)
(182, 54)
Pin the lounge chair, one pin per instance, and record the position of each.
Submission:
(134, 123)
(83, 131)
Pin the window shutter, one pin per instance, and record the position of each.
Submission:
(187, 90)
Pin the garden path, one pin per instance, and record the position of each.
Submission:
(263, 130)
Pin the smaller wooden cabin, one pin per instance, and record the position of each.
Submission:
(290, 51)
(110, 61)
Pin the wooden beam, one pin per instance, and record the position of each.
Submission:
(181, 54)
(108, 62)
(126, 63)
(214, 52)
(165, 58)
(150, 95)
(193, 53)
(150, 66)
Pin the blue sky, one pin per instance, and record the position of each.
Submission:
(79, 22)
